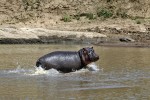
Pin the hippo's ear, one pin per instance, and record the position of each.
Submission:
(84, 50)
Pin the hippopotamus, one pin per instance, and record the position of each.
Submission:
(68, 61)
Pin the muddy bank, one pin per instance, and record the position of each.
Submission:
(102, 36)
(99, 22)
(13, 35)
(135, 36)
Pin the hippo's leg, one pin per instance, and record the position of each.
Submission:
(39, 64)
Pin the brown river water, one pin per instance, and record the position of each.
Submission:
(124, 74)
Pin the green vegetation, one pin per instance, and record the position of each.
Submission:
(66, 18)
(105, 13)
(31, 4)
(138, 22)
(111, 12)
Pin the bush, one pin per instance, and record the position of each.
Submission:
(31, 4)
(138, 22)
(104, 13)
(66, 18)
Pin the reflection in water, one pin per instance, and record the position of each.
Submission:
(125, 75)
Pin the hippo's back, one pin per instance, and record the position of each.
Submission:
(61, 60)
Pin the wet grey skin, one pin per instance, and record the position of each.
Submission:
(68, 61)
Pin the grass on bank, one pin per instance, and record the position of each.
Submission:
(103, 13)
(100, 13)
(66, 18)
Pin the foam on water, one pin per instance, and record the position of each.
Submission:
(30, 72)
(18, 70)
(93, 67)
(40, 71)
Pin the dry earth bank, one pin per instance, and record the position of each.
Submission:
(100, 22)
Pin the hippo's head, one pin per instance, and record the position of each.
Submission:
(88, 55)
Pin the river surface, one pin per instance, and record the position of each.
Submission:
(124, 74)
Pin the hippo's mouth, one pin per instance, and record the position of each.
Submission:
(94, 59)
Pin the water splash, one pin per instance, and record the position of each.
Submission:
(41, 71)
(30, 72)
(93, 67)
(35, 71)
(18, 70)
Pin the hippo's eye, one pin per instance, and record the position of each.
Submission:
(90, 52)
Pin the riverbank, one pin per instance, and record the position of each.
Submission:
(14, 35)
(105, 33)
(98, 22)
